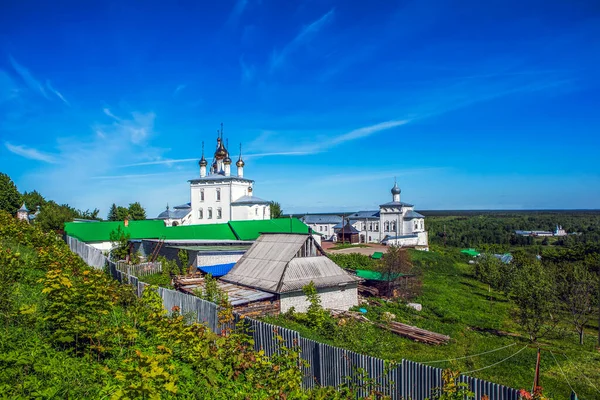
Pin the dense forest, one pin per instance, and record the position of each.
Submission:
(476, 228)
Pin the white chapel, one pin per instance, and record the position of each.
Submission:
(218, 196)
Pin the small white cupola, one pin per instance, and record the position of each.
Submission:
(395, 192)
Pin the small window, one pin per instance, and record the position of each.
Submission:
(209, 213)
(256, 211)
(200, 214)
(219, 213)
(201, 196)
(218, 194)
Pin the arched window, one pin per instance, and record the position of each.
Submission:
(422, 226)
(394, 226)
(219, 213)
(209, 213)
(416, 225)
(201, 195)
(387, 226)
(256, 211)
(200, 214)
(175, 223)
(218, 194)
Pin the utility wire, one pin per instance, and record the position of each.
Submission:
(581, 373)
(562, 372)
(461, 358)
(494, 364)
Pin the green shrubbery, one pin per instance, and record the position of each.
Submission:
(69, 331)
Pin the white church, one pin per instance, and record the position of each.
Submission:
(394, 223)
(218, 196)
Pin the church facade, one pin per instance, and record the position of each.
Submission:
(218, 195)
(394, 223)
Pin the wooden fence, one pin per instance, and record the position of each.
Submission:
(142, 269)
(325, 365)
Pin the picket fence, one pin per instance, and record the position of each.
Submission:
(142, 269)
(325, 365)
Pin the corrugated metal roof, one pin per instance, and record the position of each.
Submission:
(396, 204)
(219, 177)
(237, 295)
(199, 232)
(250, 230)
(362, 215)
(321, 219)
(100, 231)
(413, 214)
(177, 213)
(271, 265)
(249, 200)
(320, 270)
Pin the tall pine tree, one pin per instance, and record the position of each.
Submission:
(112, 214)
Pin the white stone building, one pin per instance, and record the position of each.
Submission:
(218, 196)
(395, 223)
(323, 224)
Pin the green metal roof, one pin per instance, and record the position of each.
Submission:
(375, 275)
(100, 231)
(377, 255)
(199, 232)
(250, 230)
(155, 229)
(470, 252)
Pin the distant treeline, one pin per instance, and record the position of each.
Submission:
(476, 228)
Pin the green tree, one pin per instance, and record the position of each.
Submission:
(276, 211)
(120, 242)
(396, 263)
(112, 213)
(136, 211)
(10, 198)
(53, 216)
(315, 313)
(534, 293)
(87, 214)
(578, 295)
(122, 213)
(33, 200)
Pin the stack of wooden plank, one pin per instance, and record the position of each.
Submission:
(416, 334)
(407, 331)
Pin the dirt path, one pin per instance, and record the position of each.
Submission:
(361, 250)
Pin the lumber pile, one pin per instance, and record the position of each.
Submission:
(407, 331)
(362, 289)
(416, 334)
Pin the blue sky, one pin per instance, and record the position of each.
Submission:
(469, 104)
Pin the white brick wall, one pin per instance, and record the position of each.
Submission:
(216, 259)
(330, 298)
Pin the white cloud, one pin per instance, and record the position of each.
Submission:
(57, 93)
(110, 114)
(305, 35)
(31, 153)
(29, 80)
(178, 89)
(365, 131)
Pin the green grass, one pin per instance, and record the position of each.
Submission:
(158, 279)
(456, 304)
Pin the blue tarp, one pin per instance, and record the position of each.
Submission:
(216, 270)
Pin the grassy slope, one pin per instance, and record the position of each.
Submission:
(453, 303)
